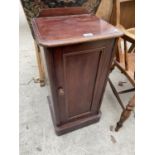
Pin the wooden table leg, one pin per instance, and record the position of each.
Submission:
(126, 113)
(41, 79)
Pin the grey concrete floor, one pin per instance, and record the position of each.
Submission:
(37, 135)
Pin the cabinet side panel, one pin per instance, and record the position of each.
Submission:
(51, 83)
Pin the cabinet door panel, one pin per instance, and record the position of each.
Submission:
(80, 71)
(81, 75)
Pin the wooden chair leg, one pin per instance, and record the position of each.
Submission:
(126, 113)
(41, 79)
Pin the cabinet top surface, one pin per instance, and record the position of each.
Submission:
(65, 30)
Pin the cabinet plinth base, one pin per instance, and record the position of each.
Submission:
(70, 126)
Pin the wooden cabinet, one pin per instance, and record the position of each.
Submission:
(77, 66)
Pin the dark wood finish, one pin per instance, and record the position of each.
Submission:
(123, 16)
(77, 66)
(71, 30)
(76, 124)
(50, 13)
(62, 11)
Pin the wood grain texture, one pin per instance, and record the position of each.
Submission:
(77, 95)
(81, 71)
(77, 67)
(49, 32)
(62, 12)
(50, 13)
(123, 13)
(71, 126)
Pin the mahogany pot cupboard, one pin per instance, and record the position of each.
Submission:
(78, 51)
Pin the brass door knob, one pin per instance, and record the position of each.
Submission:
(61, 91)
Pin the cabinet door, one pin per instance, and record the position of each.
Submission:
(81, 72)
